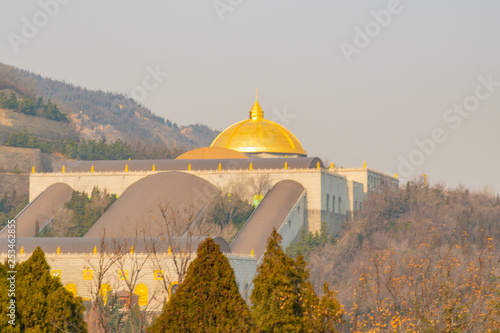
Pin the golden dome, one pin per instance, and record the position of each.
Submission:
(259, 135)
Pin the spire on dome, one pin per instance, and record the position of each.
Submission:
(256, 111)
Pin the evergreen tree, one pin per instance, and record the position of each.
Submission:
(39, 102)
(283, 300)
(3, 100)
(11, 101)
(308, 242)
(5, 302)
(51, 111)
(42, 303)
(208, 299)
(27, 106)
(277, 305)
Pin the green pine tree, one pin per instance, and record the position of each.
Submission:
(42, 303)
(27, 106)
(3, 100)
(208, 299)
(11, 101)
(283, 300)
(5, 302)
(277, 304)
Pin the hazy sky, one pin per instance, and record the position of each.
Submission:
(353, 80)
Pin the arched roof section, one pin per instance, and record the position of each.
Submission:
(40, 210)
(271, 213)
(159, 204)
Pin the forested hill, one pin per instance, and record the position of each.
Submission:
(96, 114)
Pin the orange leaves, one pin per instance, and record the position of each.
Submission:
(439, 290)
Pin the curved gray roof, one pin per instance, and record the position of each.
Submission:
(182, 165)
(139, 209)
(110, 245)
(43, 208)
(271, 213)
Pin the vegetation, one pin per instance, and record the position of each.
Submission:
(10, 206)
(229, 208)
(99, 111)
(421, 258)
(309, 242)
(83, 150)
(283, 300)
(42, 303)
(79, 214)
(208, 299)
(92, 149)
(28, 106)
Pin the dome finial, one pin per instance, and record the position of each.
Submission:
(256, 112)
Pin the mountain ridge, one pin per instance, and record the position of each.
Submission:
(95, 114)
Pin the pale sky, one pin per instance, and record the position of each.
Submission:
(418, 60)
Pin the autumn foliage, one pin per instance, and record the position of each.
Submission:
(418, 259)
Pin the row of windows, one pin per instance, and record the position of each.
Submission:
(356, 205)
(333, 209)
(373, 181)
(141, 290)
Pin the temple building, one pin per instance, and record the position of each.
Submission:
(257, 158)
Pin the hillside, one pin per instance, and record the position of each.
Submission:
(96, 114)
(43, 121)
(415, 257)
(45, 129)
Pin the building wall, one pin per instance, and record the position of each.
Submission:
(70, 268)
(371, 179)
(309, 178)
(294, 222)
(114, 182)
(242, 180)
(334, 201)
(356, 195)
(324, 187)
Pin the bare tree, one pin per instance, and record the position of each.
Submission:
(175, 246)
(10, 79)
(62, 222)
(135, 266)
(101, 266)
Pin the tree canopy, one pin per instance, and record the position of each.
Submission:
(283, 300)
(208, 299)
(28, 106)
(42, 303)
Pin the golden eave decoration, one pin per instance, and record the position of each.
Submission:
(259, 135)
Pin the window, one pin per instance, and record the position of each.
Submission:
(333, 204)
(142, 291)
(327, 202)
(172, 288)
(340, 203)
(71, 287)
(104, 291)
